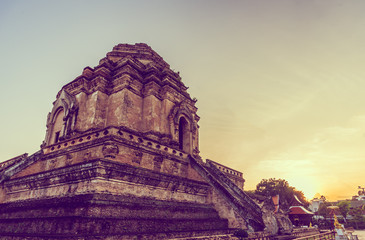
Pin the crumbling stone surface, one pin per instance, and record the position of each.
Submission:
(98, 176)
(271, 223)
(285, 225)
(276, 222)
(232, 203)
(104, 215)
(131, 88)
(116, 162)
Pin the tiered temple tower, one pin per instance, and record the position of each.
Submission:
(133, 97)
(121, 158)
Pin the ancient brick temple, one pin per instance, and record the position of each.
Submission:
(120, 160)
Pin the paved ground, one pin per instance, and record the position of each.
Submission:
(360, 234)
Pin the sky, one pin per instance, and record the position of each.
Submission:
(280, 84)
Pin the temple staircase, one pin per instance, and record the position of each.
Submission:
(239, 201)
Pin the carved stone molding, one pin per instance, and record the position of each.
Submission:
(110, 150)
(69, 105)
(137, 156)
(111, 170)
(179, 110)
(157, 163)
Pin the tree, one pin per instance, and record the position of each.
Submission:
(323, 210)
(357, 216)
(272, 187)
(344, 207)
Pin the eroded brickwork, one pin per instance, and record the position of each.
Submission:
(131, 87)
(118, 160)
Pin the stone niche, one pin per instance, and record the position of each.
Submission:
(120, 159)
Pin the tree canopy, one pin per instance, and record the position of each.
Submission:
(344, 207)
(272, 187)
(323, 209)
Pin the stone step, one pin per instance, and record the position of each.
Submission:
(210, 237)
(104, 215)
(94, 226)
(189, 235)
(99, 205)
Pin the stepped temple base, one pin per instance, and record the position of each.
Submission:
(106, 216)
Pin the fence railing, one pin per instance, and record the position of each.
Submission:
(320, 236)
(302, 232)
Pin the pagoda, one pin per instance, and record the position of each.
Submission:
(120, 160)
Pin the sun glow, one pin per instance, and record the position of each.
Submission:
(308, 185)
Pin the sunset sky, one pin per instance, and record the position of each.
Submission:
(280, 84)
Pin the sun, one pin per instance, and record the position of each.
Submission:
(309, 186)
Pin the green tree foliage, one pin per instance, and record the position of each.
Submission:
(344, 207)
(272, 187)
(358, 220)
(356, 213)
(323, 209)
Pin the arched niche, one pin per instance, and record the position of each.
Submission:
(183, 127)
(61, 120)
(184, 135)
(57, 126)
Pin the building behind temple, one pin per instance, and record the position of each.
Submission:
(121, 159)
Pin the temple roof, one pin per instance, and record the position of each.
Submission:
(300, 210)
